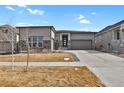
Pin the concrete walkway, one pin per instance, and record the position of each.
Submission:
(109, 68)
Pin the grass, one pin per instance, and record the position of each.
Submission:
(48, 77)
(45, 57)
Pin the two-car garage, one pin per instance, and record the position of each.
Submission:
(81, 44)
(82, 40)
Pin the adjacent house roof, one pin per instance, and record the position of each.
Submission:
(109, 27)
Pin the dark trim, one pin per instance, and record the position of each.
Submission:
(71, 31)
(36, 27)
(81, 39)
(31, 26)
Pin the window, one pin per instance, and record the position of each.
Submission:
(17, 38)
(36, 41)
(118, 35)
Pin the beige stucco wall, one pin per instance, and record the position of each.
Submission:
(45, 32)
(110, 36)
(6, 39)
(82, 36)
(104, 40)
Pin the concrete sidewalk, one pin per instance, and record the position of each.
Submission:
(42, 64)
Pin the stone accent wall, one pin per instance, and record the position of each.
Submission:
(47, 44)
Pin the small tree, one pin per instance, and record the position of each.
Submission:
(28, 49)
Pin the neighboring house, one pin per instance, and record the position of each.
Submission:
(75, 40)
(111, 38)
(6, 34)
(38, 37)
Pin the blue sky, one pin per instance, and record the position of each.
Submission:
(70, 17)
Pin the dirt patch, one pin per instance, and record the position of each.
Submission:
(45, 57)
(48, 77)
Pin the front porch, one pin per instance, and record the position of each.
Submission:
(65, 42)
(117, 41)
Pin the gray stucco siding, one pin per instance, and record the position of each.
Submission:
(80, 44)
(45, 32)
(82, 36)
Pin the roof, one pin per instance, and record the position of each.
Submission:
(33, 26)
(109, 27)
(36, 27)
(6, 25)
(73, 31)
(114, 25)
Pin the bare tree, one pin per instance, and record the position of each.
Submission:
(28, 49)
(12, 49)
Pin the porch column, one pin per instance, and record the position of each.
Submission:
(121, 35)
(112, 35)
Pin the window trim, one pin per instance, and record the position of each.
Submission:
(118, 36)
(37, 41)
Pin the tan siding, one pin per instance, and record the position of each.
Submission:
(82, 36)
(35, 32)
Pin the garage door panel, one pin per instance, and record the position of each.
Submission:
(81, 44)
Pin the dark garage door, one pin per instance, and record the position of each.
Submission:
(81, 44)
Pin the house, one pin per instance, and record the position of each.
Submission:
(46, 37)
(38, 38)
(111, 38)
(8, 34)
(75, 40)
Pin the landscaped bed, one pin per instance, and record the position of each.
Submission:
(45, 57)
(48, 77)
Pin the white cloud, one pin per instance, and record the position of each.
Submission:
(93, 13)
(84, 21)
(10, 8)
(35, 11)
(22, 6)
(81, 17)
(89, 29)
(23, 24)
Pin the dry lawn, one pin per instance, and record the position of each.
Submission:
(48, 77)
(46, 57)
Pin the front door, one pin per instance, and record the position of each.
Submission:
(65, 40)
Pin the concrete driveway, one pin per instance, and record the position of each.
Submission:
(109, 68)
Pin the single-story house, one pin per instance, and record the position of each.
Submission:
(75, 40)
(38, 38)
(111, 38)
